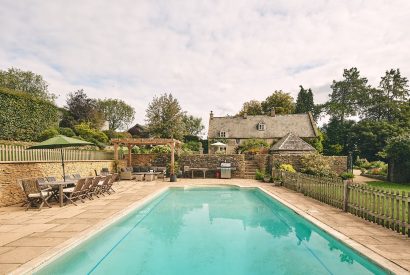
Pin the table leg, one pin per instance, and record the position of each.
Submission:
(192, 174)
(61, 195)
(203, 172)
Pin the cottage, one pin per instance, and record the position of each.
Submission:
(235, 130)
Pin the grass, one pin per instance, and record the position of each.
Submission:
(390, 185)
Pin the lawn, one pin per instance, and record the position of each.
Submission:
(390, 185)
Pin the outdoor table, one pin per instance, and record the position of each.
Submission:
(60, 185)
(204, 170)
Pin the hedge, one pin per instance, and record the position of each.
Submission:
(23, 117)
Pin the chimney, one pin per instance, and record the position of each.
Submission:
(272, 112)
(211, 115)
(245, 115)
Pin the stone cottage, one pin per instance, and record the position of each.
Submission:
(234, 130)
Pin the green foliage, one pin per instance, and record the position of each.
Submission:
(85, 131)
(253, 146)
(346, 95)
(68, 132)
(81, 108)
(113, 134)
(252, 107)
(176, 168)
(192, 146)
(287, 167)
(26, 82)
(398, 148)
(281, 101)
(164, 117)
(193, 125)
(48, 133)
(304, 101)
(317, 142)
(118, 113)
(337, 137)
(316, 164)
(347, 175)
(161, 149)
(260, 175)
(23, 117)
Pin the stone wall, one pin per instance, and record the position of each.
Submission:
(11, 173)
(159, 160)
(214, 161)
(337, 163)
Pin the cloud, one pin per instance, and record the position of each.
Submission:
(212, 55)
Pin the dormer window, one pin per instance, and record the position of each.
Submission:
(222, 134)
(261, 126)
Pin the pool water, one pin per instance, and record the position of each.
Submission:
(212, 231)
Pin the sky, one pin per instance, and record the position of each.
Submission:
(211, 55)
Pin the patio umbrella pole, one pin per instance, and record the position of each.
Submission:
(62, 162)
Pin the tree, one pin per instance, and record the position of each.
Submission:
(84, 109)
(304, 101)
(337, 137)
(27, 82)
(281, 101)
(193, 125)
(117, 113)
(252, 108)
(398, 153)
(164, 117)
(396, 92)
(346, 95)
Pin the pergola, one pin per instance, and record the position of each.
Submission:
(130, 142)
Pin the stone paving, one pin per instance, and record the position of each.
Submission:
(27, 236)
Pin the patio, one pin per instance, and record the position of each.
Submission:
(27, 238)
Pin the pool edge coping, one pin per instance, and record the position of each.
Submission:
(360, 248)
(37, 263)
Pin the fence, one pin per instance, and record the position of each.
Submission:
(387, 208)
(13, 153)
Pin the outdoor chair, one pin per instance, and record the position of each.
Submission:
(36, 197)
(43, 186)
(94, 188)
(108, 186)
(86, 188)
(68, 177)
(105, 172)
(51, 179)
(77, 176)
(102, 186)
(74, 193)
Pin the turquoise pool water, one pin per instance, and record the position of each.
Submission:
(212, 231)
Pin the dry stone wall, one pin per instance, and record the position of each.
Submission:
(10, 174)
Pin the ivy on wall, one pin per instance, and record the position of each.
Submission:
(23, 117)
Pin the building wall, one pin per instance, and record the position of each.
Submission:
(11, 173)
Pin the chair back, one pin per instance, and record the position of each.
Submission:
(88, 183)
(30, 186)
(77, 176)
(79, 185)
(68, 177)
(115, 177)
(95, 181)
(41, 180)
(51, 179)
(106, 180)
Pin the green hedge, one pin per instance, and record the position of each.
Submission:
(23, 117)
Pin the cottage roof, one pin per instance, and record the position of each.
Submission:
(291, 142)
(275, 126)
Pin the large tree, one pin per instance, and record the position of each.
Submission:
(252, 107)
(281, 101)
(164, 117)
(25, 81)
(346, 95)
(117, 113)
(193, 125)
(84, 109)
(304, 101)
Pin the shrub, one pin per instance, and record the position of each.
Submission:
(346, 175)
(316, 164)
(66, 131)
(287, 168)
(192, 145)
(253, 146)
(48, 133)
(24, 117)
(85, 131)
(161, 149)
(259, 175)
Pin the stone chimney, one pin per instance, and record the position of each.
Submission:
(272, 112)
(211, 115)
(245, 115)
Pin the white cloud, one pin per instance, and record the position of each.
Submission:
(212, 55)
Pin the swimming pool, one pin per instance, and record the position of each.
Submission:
(217, 230)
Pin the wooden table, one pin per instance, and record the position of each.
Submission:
(60, 185)
(204, 170)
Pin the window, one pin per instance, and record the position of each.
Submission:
(261, 126)
(238, 141)
(222, 134)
